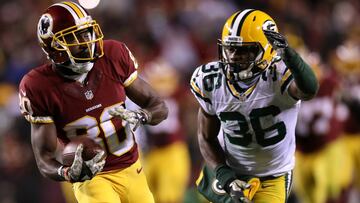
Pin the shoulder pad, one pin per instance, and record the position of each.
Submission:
(205, 80)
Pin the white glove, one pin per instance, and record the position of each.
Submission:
(135, 118)
(81, 170)
(236, 191)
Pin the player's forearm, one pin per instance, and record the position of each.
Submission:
(45, 147)
(49, 168)
(157, 110)
(215, 158)
(304, 77)
(211, 151)
(209, 145)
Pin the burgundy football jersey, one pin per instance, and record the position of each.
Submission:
(321, 119)
(78, 109)
(352, 127)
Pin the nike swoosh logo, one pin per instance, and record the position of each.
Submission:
(139, 170)
(266, 186)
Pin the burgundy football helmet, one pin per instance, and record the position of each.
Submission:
(68, 35)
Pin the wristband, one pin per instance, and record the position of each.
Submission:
(225, 175)
(145, 116)
(63, 172)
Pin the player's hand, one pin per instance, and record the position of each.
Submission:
(236, 191)
(277, 40)
(97, 163)
(135, 118)
(79, 170)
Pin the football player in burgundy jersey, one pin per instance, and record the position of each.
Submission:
(166, 142)
(323, 172)
(347, 62)
(82, 92)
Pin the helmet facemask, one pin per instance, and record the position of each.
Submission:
(240, 59)
(70, 38)
(80, 44)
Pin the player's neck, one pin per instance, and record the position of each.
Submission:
(81, 78)
(69, 74)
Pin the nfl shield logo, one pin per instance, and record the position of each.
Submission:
(89, 95)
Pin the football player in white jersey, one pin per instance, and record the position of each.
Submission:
(251, 98)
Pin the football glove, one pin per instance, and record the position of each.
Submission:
(236, 191)
(137, 117)
(277, 40)
(233, 186)
(81, 170)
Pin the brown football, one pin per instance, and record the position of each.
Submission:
(89, 151)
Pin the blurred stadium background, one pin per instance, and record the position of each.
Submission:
(180, 35)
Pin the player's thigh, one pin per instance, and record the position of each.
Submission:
(137, 187)
(311, 177)
(68, 192)
(95, 190)
(339, 167)
(210, 188)
(173, 173)
(352, 143)
(274, 190)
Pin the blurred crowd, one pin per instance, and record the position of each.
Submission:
(170, 38)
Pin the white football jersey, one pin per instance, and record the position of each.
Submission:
(257, 125)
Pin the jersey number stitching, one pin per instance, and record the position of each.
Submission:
(112, 137)
(255, 122)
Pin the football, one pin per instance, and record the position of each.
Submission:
(89, 150)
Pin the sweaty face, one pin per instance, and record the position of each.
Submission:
(241, 56)
(79, 44)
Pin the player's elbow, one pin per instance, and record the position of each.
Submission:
(311, 92)
(164, 111)
(43, 170)
(307, 97)
(46, 169)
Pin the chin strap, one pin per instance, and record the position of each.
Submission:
(68, 73)
(246, 74)
(234, 76)
(81, 67)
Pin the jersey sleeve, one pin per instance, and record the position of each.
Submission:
(34, 104)
(284, 78)
(125, 63)
(201, 95)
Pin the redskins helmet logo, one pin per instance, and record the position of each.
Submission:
(269, 25)
(45, 26)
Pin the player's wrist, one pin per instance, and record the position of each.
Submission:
(225, 175)
(63, 171)
(289, 54)
(144, 116)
